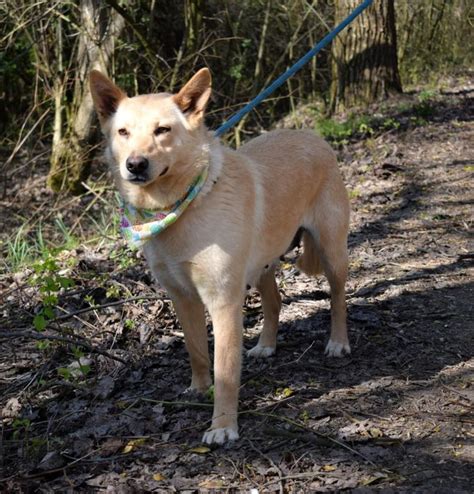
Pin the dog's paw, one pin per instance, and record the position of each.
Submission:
(220, 436)
(193, 394)
(259, 351)
(336, 349)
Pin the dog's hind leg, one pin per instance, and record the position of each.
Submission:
(310, 261)
(328, 248)
(335, 267)
(190, 311)
(271, 302)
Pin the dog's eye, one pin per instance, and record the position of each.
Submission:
(161, 130)
(123, 132)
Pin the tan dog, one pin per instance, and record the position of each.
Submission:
(252, 205)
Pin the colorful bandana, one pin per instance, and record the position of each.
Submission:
(140, 225)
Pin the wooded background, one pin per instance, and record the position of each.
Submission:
(48, 48)
(93, 365)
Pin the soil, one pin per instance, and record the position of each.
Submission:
(394, 416)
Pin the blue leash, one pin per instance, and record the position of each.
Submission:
(292, 70)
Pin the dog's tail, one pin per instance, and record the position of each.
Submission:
(310, 261)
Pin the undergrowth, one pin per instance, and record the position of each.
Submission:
(30, 244)
(360, 125)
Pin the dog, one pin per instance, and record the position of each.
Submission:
(248, 208)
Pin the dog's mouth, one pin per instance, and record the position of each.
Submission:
(138, 179)
(144, 178)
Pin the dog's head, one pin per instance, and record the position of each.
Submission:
(154, 140)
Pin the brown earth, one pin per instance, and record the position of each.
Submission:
(395, 416)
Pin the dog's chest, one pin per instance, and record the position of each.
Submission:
(186, 267)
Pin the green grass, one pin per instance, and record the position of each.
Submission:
(29, 246)
(19, 250)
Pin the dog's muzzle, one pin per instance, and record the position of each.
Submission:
(137, 166)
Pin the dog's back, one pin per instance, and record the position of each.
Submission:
(300, 182)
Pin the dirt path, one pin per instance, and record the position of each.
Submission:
(397, 414)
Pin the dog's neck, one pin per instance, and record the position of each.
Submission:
(165, 192)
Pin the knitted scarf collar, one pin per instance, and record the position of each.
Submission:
(140, 225)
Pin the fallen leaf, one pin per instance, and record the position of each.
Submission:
(131, 445)
(328, 468)
(11, 409)
(211, 484)
(104, 387)
(110, 446)
(284, 393)
(51, 461)
(158, 477)
(373, 479)
(374, 432)
(202, 450)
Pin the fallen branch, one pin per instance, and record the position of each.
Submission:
(190, 404)
(311, 431)
(72, 341)
(68, 315)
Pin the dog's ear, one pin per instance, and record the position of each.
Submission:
(193, 97)
(105, 94)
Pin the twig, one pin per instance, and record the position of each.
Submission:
(178, 403)
(455, 391)
(103, 306)
(20, 144)
(152, 54)
(302, 475)
(61, 469)
(277, 469)
(323, 436)
(64, 339)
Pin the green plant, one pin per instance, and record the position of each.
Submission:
(65, 373)
(84, 369)
(304, 416)
(113, 291)
(123, 257)
(340, 131)
(47, 277)
(391, 123)
(69, 240)
(78, 370)
(418, 121)
(354, 193)
(43, 345)
(426, 95)
(28, 246)
(209, 394)
(332, 129)
(106, 224)
(19, 250)
(129, 324)
(21, 426)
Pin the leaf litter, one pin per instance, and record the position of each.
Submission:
(395, 414)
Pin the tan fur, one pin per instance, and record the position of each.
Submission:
(254, 201)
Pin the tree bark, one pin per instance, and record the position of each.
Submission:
(365, 64)
(72, 145)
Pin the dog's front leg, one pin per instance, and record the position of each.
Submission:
(190, 311)
(227, 323)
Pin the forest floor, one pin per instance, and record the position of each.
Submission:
(110, 414)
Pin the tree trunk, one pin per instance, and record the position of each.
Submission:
(365, 65)
(71, 154)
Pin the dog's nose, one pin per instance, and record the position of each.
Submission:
(136, 164)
